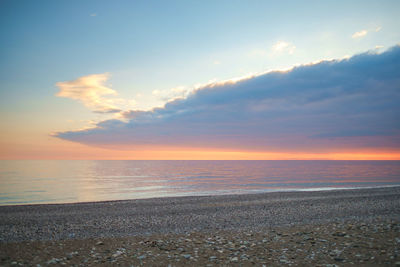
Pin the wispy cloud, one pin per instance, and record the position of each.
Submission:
(279, 48)
(91, 91)
(331, 106)
(171, 94)
(363, 33)
(359, 34)
(283, 47)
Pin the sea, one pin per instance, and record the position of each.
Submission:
(63, 181)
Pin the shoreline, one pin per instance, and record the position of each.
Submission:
(247, 192)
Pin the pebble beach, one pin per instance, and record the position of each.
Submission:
(358, 227)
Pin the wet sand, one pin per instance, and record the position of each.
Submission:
(293, 228)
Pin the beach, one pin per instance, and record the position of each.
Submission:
(321, 228)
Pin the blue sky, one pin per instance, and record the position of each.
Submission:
(152, 51)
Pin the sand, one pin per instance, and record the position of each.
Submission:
(341, 227)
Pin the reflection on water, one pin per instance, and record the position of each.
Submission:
(24, 182)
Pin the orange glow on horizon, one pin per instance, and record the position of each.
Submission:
(63, 150)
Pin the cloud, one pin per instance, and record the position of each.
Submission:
(282, 46)
(359, 34)
(363, 33)
(93, 15)
(90, 91)
(279, 48)
(171, 94)
(330, 106)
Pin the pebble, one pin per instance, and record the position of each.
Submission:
(212, 258)
(312, 244)
(234, 259)
(53, 261)
(118, 253)
(338, 259)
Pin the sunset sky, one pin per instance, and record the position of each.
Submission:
(200, 79)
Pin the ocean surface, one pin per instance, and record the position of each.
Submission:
(47, 181)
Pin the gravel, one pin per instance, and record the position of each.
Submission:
(326, 228)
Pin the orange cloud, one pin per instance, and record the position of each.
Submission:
(90, 90)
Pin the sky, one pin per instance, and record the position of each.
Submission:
(199, 80)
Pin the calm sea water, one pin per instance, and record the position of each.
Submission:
(28, 182)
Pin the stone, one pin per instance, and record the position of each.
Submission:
(234, 259)
(117, 253)
(212, 258)
(53, 261)
(340, 234)
(339, 259)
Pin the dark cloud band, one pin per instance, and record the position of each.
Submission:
(329, 106)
